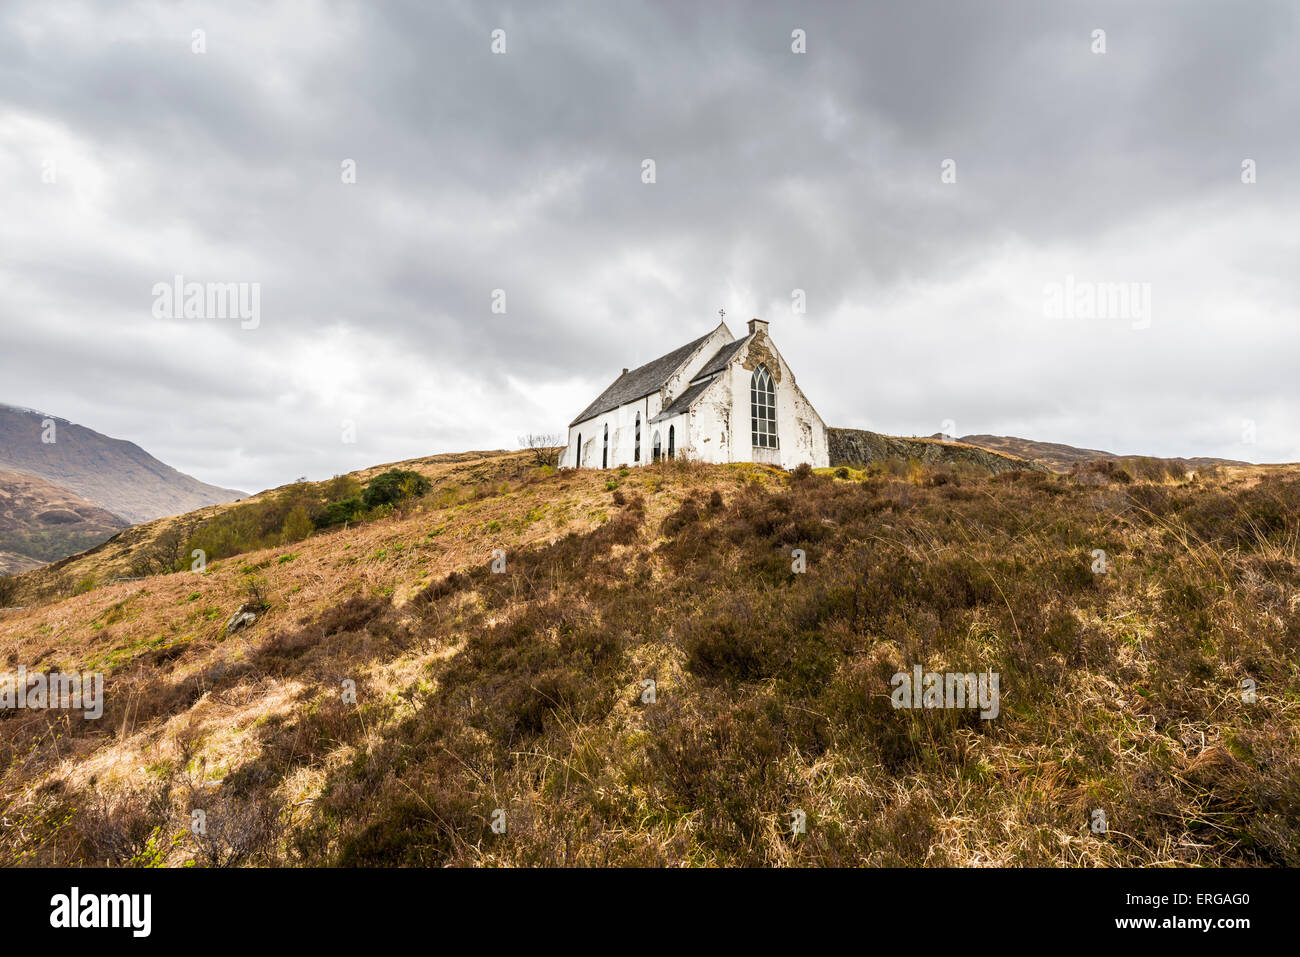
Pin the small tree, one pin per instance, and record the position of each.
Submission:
(297, 525)
(545, 447)
(164, 554)
(340, 487)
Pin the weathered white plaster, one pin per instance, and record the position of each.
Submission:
(716, 427)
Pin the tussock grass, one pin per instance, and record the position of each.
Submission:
(524, 691)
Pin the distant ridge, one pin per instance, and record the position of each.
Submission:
(114, 474)
(1059, 457)
(41, 522)
(858, 446)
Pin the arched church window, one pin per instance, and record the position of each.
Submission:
(656, 446)
(636, 456)
(577, 455)
(762, 406)
(672, 440)
(604, 455)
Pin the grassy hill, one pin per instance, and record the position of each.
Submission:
(524, 690)
(167, 544)
(40, 522)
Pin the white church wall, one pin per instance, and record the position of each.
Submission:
(593, 439)
(717, 427)
(681, 436)
(800, 430)
(801, 434)
(710, 421)
(622, 436)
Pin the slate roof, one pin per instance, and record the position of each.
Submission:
(683, 401)
(640, 382)
(702, 379)
(720, 359)
(651, 377)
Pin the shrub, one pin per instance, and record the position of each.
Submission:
(281, 518)
(687, 513)
(727, 649)
(128, 828)
(393, 486)
(234, 831)
(164, 554)
(341, 487)
(297, 525)
(336, 513)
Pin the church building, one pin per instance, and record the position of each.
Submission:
(717, 399)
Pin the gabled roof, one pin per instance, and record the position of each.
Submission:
(703, 379)
(683, 401)
(720, 359)
(640, 382)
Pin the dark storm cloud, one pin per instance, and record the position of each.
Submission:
(521, 172)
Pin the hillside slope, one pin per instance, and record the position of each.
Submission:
(122, 555)
(859, 447)
(41, 522)
(629, 668)
(1060, 457)
(116, 475)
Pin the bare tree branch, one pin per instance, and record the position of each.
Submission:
(545, 447)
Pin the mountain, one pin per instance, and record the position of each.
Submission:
(42, 522)
(114, 474)
(1059, 457)
(659, 666)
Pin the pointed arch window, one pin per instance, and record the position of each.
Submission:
(604, 454)
(577, 457)
(672, 440)
(762, 406)
(636, 455)
(657, 448)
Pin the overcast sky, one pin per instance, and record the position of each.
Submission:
(128, 158)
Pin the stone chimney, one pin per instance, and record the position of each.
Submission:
(757, 325)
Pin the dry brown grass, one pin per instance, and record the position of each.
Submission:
(521, 691)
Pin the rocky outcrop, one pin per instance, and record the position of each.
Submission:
(240, 619)
(859, 447)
